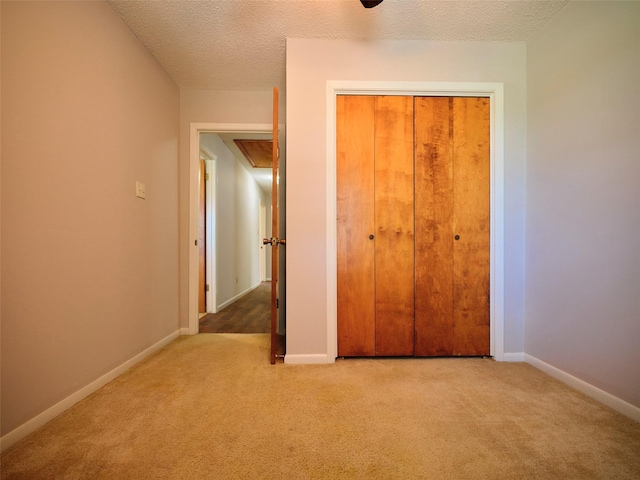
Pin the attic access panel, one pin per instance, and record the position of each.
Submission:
(257, 152)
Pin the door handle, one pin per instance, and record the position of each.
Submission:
(274, 241)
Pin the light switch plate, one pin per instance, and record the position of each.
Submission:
(140, 190)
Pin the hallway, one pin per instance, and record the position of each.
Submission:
(249, 314)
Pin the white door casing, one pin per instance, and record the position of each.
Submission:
(210, 198)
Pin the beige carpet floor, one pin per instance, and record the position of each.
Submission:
(211, 407)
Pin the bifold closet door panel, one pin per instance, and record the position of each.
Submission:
(471, 222)
(355, 223)
(452, 226)
(394, 222)
(434, 226)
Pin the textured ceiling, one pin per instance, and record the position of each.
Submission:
(240, 44)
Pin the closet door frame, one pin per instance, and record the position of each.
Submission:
(495, 93)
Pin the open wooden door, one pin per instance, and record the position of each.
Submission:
(277, 343)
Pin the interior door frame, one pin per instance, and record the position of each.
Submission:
(195, 129)
(262, 228)
(495, 93)
(210, 200)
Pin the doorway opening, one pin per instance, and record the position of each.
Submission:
(233, 221)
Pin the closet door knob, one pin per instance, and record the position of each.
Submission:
(457, 237)
(371, 237)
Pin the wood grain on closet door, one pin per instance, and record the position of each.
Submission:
(355, 224)
(394, 221)
(471, 225)
(434, 226)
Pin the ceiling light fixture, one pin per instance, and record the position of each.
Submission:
(370, 3)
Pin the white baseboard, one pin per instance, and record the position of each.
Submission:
(186, 331)
(513, 357)
(38, 421)
(601, 396)
(304, 359)
(237, 297)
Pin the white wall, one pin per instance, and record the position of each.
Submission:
(583, 196)
(225, 244)
(310, 63)
(237, 223)
(248, 196)
(89, 271)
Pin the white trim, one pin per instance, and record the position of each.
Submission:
(495, 93)
(206, 154)
(307, 359)
(38, 421)
(185, 331)
(194, 149)
(601, 396)
(211, 213)
(239, 296)
(513, 357)
(262, 229)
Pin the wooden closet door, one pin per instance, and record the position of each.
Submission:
(413, 263)
(452, 225)
(434, 226)
(355, 223)
(471, 222)
(375, 226)
(394, 222)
